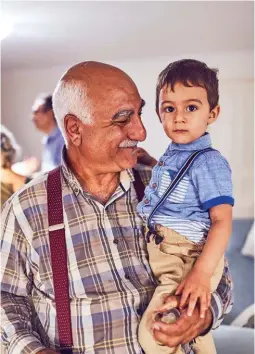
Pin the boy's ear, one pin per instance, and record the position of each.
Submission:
(213, 115)
(158, 115)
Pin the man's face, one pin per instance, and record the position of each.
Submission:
(184, 112)
(41, 118)
(109, 142)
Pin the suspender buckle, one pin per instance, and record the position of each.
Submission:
(56, 227)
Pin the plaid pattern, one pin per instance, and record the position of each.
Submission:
(110, 279)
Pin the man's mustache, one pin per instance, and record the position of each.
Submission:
(128, 143)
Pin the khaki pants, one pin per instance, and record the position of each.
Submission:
(171, 261)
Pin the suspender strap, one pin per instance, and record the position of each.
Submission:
(188, 163)
(59, 254)
(139, 186)
(59, 260)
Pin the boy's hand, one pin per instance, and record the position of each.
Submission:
(196, 286)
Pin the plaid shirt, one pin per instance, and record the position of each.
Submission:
(110, 279)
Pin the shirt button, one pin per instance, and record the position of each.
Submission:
(127, 276)
(161, 163)
(146, 201)
(154, 185)
(115, 241)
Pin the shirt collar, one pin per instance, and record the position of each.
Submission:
(53, 134)
(126, 176)
(201, 143)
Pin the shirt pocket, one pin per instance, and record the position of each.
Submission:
(180, 191)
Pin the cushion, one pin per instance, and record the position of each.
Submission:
(234, 340)
(248, 248)
(241, 268)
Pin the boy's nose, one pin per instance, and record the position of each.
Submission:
(179, 117)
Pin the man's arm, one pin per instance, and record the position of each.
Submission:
(17, 333)
(187, 327)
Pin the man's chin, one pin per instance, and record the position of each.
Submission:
(128, 160)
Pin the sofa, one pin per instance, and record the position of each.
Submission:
(236, 334)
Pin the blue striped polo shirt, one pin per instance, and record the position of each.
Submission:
(207, 184)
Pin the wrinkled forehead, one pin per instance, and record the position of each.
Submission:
(115, 93)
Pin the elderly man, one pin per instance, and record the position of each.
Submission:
(98, 109)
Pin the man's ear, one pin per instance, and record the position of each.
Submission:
(213, 115)
(73, 129)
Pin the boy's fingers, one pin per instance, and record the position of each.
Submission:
(192, 304)
(184, 297)
(203, 305)
(208, 300)
(179, 288)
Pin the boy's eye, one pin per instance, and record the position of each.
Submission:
(191, 108)
(169, 109)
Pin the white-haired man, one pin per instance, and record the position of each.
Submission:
(98, 108)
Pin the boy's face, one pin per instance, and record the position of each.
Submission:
(185, 112)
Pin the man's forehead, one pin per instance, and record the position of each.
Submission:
(115, 95)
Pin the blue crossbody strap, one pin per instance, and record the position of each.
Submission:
(181, 173)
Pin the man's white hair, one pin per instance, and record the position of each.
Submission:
(70, 97)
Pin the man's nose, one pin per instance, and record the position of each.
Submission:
(137, 130)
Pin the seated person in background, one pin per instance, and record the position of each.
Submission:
(10, 181)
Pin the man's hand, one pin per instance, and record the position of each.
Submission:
(144, 158)
(185, 329)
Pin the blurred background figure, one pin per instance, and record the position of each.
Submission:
(53, 142)
(10, 181)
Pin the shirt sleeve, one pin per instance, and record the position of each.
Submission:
(222, 298)
(17, 333)
(211, 176)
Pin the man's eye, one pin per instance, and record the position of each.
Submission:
(122, 120)
(191, 108)
(169, 109)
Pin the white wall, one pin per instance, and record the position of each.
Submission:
(232, 134)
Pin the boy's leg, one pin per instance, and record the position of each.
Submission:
(168, 266)
(145, 335)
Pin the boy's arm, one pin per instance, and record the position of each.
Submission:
(217, 240)
(197, 284)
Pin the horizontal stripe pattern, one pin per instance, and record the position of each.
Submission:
(195, 231)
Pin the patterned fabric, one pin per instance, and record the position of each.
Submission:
(6, 192)
(110, 279)
(52, 148)
(207, 184)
